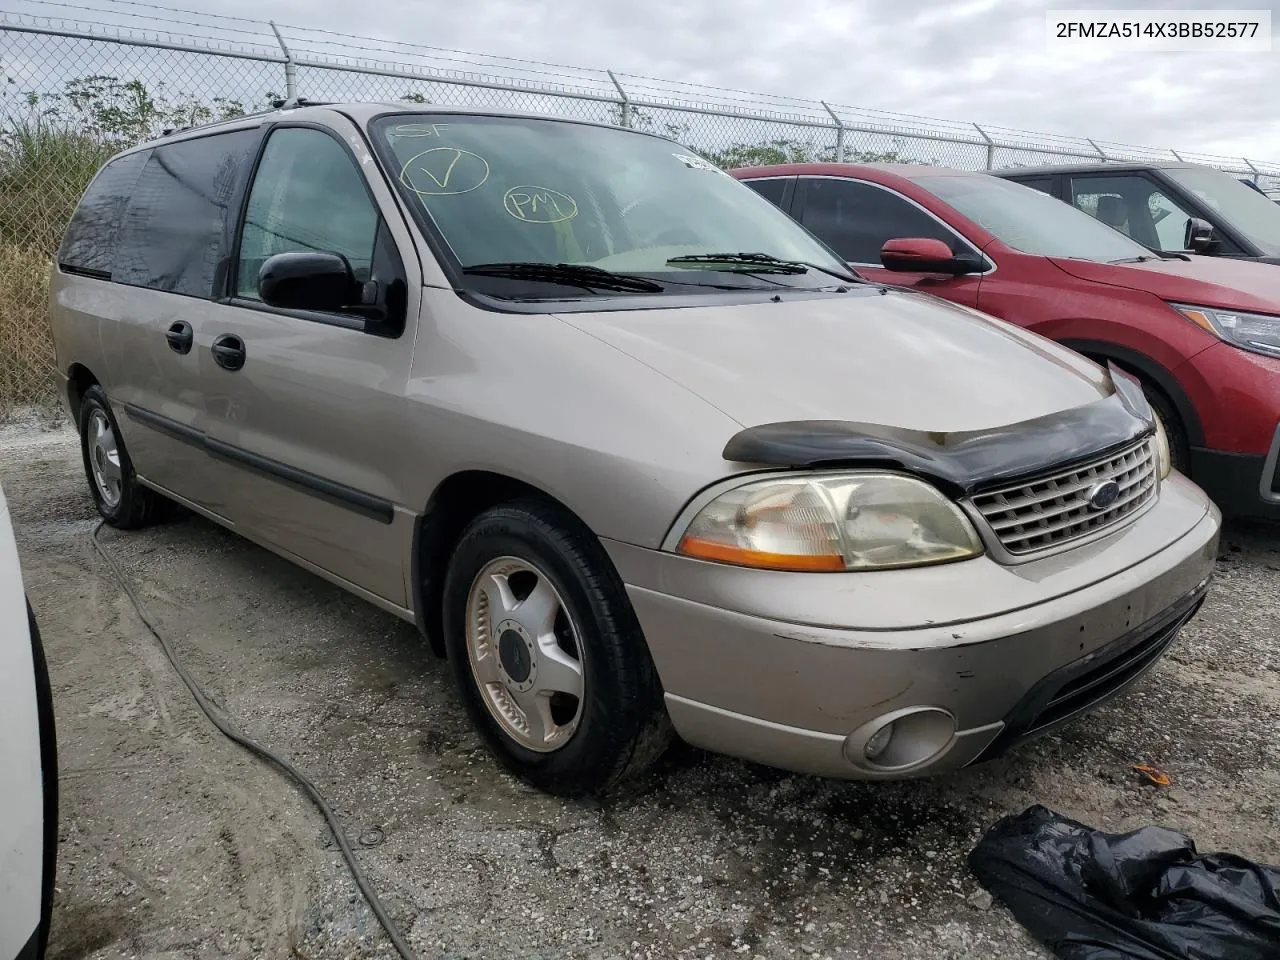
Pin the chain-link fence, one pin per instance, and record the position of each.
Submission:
(75, 92)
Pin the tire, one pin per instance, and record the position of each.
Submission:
(121, 501)
(49, 777)
(616, 726)
(1179, 449)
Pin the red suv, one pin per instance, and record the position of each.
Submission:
(1202, 333)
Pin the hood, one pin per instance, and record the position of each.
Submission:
(1207, 281)
(896, 358)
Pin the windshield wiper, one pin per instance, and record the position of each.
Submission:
(763, 262)
(569, 274)
(1159, 255)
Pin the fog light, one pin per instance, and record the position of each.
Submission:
(878, 742)
(902, 740)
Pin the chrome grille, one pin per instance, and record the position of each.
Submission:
(1041, 514)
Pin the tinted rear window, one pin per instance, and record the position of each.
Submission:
(172, 237)
(89, 243)
(771, 189)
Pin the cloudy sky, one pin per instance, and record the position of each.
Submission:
(983, 60)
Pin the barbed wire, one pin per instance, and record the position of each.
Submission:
(155, 19)
(115, 33)
(103, 74)
(226, 34)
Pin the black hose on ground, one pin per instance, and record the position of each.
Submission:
(219, 720)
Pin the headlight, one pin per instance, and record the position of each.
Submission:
(1258, 332)
(831, 521)
(1160, 448)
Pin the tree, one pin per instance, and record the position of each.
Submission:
(782, 150)
(52, 143)
(120, 113)
(642, 118)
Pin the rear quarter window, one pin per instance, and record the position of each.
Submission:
(1043, 184)
(771, 189)
(173, 236)
(89, 244)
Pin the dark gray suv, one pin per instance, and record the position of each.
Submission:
(1171, 207)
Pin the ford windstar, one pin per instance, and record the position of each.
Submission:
(635, 451)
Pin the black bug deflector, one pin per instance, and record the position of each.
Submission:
(963, 461)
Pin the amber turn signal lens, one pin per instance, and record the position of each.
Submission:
(1199, 318)
(706, 550)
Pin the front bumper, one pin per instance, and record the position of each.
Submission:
(1241, 484)
(797, 691)
(1236, 396)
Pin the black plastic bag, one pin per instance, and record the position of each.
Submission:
(1145, 895)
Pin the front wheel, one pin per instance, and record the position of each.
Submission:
(547, 652)
(1179, 450)
(1167, 414)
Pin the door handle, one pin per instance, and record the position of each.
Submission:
(180, 336)
(228, 352)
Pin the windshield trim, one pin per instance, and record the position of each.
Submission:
(452, 267)
(615, 302)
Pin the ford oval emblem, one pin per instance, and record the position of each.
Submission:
(1102, 495)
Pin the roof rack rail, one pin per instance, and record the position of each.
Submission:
(275, 105)
(283, 104)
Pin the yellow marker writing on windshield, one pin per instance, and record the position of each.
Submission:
(444, 171)
(539, 204)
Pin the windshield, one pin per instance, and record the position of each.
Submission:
(1245, 209)
(1031, 221)
(503, 190)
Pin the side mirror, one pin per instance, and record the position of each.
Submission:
(308, 281)
(925, 255)
(1199, 236)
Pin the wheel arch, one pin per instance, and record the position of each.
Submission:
(455, 502)
(79, 379)
(1150, 371)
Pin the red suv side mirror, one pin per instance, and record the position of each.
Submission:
(925, 255)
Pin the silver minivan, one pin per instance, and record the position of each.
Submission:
(634, 450)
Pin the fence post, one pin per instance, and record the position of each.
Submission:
(1104, 157)
(624, 107)
(991, 146)
(839, 131)
(1253, 168)
(290, 68)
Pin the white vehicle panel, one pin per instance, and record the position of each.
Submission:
(21, 786)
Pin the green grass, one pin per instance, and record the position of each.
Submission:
(26, 349)
(44, 169)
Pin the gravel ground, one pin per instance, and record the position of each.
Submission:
(175, 843)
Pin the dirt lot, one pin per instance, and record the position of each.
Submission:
(175, 843)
